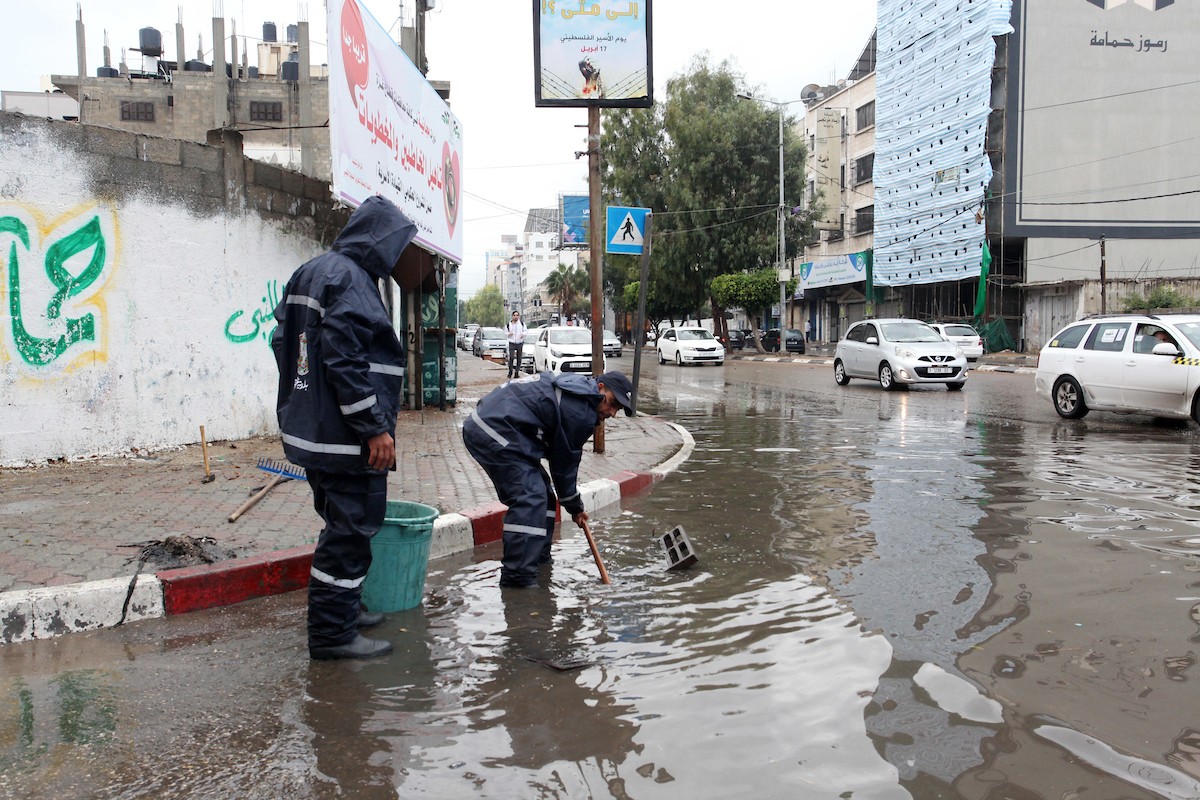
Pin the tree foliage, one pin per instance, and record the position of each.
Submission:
(486, 307)
(570, 287)
(753, 291)
(707, 164)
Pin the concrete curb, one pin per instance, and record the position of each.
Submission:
(47, 612)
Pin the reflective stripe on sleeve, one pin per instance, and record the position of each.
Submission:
(568, 499)
(386, 369)
(341, 583)
(305, 300)
(354, 408)
(317, 447)
(488, 429)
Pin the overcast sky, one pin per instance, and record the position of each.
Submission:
(516, 156)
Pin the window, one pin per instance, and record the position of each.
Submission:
(1108, 336)
(1071, 337)
(136, 112)
(865, 116)
(266, 112)
(864, 168)
(864, 219)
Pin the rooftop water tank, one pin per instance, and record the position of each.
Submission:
(290, 71)
(108, 72)
(253, 72)
(269, 32)
(293, 33)
(196, 66)
(150, 42)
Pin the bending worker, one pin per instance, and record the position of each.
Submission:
(341, 373)
(518, 424)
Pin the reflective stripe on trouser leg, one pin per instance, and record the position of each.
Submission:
(523, 486)
(352, 507)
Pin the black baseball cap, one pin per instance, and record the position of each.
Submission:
(621, 388)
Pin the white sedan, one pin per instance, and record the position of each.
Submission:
(562, 349)
(689, 346)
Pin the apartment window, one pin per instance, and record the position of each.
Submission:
(266, 112)
(136, 112)
(864, 219)
(864, 168)
(865, 116)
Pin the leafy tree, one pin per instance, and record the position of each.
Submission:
(707, 163)
(753, 291)
(486, 307)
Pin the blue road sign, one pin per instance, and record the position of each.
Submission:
(626, 230)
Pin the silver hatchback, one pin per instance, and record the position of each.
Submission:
(898, 353)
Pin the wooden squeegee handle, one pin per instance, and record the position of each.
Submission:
(595, 553)
(246, 506)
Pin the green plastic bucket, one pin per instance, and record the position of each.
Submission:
(399, 557)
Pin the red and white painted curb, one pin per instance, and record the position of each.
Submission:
(48, 612)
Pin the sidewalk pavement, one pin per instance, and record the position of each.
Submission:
(72, 535)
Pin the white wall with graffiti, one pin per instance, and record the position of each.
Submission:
(128, 320)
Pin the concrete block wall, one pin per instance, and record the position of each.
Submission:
(138, 276)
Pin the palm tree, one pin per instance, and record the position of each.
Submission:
(565, 284)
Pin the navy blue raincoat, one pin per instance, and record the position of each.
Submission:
(341, 365)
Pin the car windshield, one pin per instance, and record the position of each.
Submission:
(685, 334)
(571, 336)
(493, 333)
(909, 332)
(959, 330)
(1191, 330)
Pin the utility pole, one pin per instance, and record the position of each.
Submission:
(596, 244)
(1103, 278)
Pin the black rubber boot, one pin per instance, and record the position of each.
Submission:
(359, 647)
(369, 619)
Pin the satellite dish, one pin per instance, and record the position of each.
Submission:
(810, 92)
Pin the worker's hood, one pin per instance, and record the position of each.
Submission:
(375, 236)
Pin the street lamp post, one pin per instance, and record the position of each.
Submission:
(782, 210)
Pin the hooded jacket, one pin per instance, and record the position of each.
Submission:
(544, 416)
(341, 365)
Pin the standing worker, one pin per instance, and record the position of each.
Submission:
(341, 373)
(516, 344)
(518, 424)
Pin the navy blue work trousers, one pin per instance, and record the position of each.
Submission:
(523, 485)
(353, 507)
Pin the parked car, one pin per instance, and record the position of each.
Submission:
(1128, 363)
(737, 340)
(561, 348)
(612, 345)
(897, 353)
(793, 340)
(466, 335)
(962, 335)
(491, 343)
(689, 346)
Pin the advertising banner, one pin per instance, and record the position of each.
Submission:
(827, 166)
(592, 53)
(389, 131)
(576, 214)
(834, 271)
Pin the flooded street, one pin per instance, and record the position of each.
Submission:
(899, 595)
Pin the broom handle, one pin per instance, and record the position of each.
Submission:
(246, 506)
(204, 449)
(595, 553)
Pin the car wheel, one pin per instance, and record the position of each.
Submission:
(678, 359)
(954, 387)
(661, 360)
(839, 373)
(1196, 407)
(1068, 399)
(718, 363)
(887, 379)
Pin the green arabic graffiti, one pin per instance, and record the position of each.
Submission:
(37, 351)
(263, 317)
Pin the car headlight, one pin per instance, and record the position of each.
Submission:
(904, 352)
(556, 353)
(959, 350)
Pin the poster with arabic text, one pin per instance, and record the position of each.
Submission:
(592, 53)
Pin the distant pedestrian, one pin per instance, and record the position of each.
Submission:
(341, 373)
(516, 344)
(544, 416)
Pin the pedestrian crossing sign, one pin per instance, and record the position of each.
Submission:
(626, 229)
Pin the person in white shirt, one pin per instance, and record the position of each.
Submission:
(516, 344)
